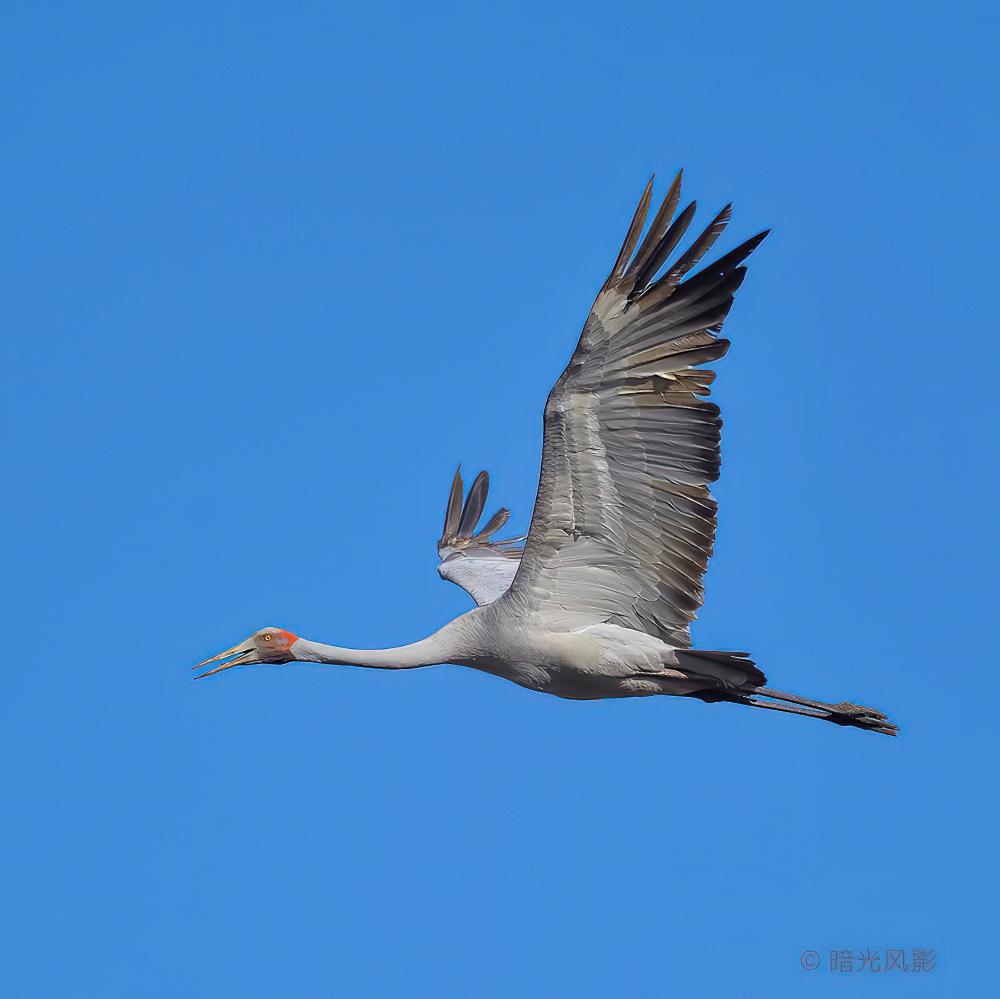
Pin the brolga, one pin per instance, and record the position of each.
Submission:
(598, 599)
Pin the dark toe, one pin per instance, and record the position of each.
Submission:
(858, 711)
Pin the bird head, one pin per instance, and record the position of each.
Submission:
(269, 645)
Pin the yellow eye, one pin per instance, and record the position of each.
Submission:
(267, 638)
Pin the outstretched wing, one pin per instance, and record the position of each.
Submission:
(624, 523)
(483, 568)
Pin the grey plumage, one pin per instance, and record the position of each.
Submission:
(599, 600)
(624, 523)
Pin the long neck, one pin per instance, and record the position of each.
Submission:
(441, 647)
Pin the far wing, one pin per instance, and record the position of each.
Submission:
(483, 568)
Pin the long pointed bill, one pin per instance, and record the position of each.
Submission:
(244, 653)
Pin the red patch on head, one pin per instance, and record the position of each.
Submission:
(287, 639)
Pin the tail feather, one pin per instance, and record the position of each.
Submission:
(733, 670)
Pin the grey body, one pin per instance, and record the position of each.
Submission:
(599, 600)
(596, 662)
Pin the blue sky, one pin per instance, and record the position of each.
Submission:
(270, 271)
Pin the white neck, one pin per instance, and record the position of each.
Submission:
(438, 648)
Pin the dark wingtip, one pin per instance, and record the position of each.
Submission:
(453, 510)
(475, 503)
(495, 523)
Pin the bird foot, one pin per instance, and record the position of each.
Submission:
(846, 713)
(858, 711)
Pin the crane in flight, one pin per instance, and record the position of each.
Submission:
(598, 600)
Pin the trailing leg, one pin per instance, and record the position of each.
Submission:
(843, 713)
